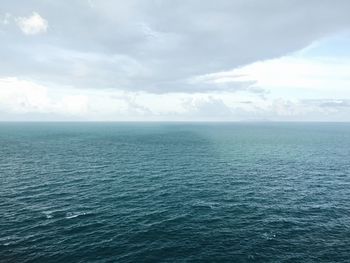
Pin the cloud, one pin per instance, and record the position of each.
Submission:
(5, 19)
(157, 46)
(22, 96)
(223, 81)
(27, 100)
(33, 24)
(292, 76)
(337, 104)
(169, 60)
(209, 108)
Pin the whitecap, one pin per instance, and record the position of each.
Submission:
(48, 214)
(269, 236)
(203, 204)
(71, 215)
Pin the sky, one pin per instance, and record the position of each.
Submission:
(170, 60)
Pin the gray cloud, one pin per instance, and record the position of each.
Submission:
(336, 104)
(329, 103)
(157, 45)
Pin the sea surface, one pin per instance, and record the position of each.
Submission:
(174, 192)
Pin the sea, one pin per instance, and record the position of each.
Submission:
(174, 192)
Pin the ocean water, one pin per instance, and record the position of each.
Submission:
(174, 192)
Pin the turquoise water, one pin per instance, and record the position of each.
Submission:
(118, 192)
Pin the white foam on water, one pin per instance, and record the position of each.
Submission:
(48, 214)
(71, 215)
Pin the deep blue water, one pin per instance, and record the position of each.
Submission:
(162, 192)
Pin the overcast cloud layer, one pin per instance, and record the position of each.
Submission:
(118, 59)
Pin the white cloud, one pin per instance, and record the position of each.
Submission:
(292, 76)
(19, 96)
(27, 98)
(32, 25)
(75, 104)
(22, 96)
